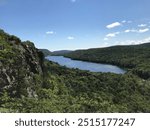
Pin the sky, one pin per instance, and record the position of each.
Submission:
(77, 24)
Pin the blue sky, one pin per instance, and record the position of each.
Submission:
(77, 24)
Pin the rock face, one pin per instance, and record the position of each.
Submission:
(21, 66)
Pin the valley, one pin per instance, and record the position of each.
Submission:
(31, 84)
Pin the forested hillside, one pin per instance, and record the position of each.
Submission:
(61, 52)
(46, 52)
(133, 57)
(73, 90)
(20, 65)
(28, 83)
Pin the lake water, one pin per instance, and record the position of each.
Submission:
(82, 65)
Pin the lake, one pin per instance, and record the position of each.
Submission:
(83, 65)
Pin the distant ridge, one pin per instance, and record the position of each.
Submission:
(46, 52)
(60, 52)
(135, 57)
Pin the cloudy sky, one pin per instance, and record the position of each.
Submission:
(77, 24)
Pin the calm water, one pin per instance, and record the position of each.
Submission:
(93, 67)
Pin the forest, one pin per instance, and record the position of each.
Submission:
(31, 84)
(135, 58)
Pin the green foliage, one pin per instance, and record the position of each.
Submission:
(60, 89)
(133, 57)
(31, 44)
(46, 52)
(73, 90)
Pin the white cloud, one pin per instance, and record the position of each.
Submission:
(146, 40)
(143, 30)
(113, 25)
(124, 21)
(73, 1)
(106, 39)
(129, 42)
(126, 31)
(70, 38)
(50, 32)
(133, 42)
(130, 30)
(137, 31)
(142, 25)
(112, 34)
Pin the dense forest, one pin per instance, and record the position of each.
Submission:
(73, 90)
(28, 83)
(135, 58)
(46, 52)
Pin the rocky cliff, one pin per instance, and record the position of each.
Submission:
(21, 66)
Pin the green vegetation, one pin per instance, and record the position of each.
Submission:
(72, 90)
(61, 52)
(45, 52)
(28, 83)
(135, 58)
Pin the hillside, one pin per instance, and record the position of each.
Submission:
(28, 83)
(133, 57)
(61, 52)
(46, 52)
(21, 70)
(20, 64)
